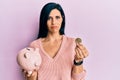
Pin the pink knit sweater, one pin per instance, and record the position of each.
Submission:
(59, 67)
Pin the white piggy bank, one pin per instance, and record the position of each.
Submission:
(29, 59)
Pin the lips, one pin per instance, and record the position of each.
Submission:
(53, 27)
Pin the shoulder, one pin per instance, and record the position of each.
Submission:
(35, 43)
(69, 39)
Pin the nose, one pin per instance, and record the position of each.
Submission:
(53, 21)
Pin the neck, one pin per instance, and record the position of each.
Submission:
(54, 37)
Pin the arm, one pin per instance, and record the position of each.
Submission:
(78, 72)
(34, 75)
(77, 69)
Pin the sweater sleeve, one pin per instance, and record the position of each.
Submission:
(80, 76)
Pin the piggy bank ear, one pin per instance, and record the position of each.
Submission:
(26, 55)
(28, 48)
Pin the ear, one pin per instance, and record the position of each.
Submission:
(28, 48)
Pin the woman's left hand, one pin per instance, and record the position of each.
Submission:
(81, 51)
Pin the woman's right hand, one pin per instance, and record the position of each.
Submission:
(33, 76)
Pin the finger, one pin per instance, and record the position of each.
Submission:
(80, 46)
(78, 54)
(33, 76)
(83, 49)
(85, 52)
(34, 73)
(76, 51)
(27, 74)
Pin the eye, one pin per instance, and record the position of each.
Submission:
(57, 17)
(49, 17)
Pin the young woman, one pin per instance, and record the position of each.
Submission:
(62, 58)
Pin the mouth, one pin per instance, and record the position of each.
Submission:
(54, 27)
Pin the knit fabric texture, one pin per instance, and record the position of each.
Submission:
(59, 67)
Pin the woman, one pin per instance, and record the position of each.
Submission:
(62, 58)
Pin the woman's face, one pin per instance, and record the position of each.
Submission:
(54, 21)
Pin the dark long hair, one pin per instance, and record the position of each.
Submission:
(43, 31)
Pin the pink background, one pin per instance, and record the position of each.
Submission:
(97, 22)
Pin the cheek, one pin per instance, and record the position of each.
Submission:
(48, 23)
(60, 22)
